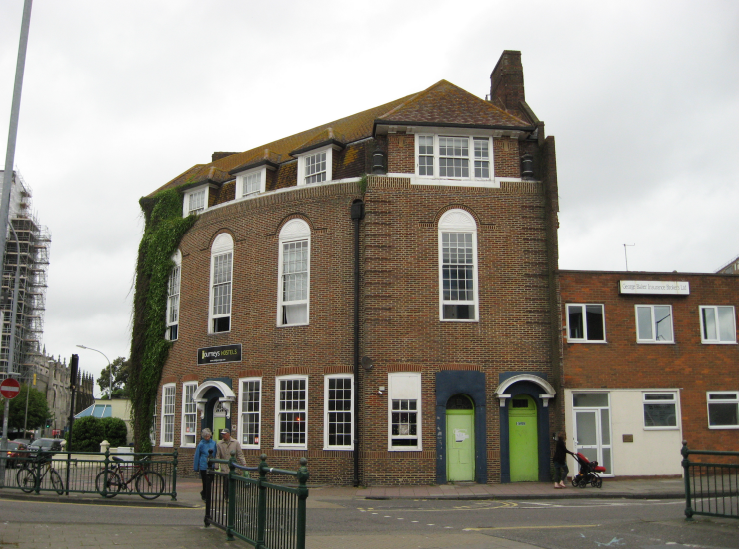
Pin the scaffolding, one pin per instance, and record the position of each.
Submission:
(29, 256)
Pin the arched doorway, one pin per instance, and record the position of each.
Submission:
(524, 426)
(460, 437)
(213, 399)
(523, 439)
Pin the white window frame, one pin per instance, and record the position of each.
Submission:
(654, 339)
(278, 411)
(732, 397)
(717, 340)
(585, 339)
(242, 382)
(471, 155)
(404, 386)
(458, 222)
(174, 287)
(294, 231)
(193, 385)
(189, 195)
(168, 413)
(222, 246)
(675, 403)
(243, 179)
(326, 411)
(305, 159)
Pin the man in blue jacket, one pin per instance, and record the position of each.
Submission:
(206, 444)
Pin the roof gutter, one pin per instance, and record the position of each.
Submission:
(379, 122)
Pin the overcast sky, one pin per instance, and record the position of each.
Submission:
(120, 97)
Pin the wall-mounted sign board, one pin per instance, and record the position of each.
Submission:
(654, 287)
(219, 355)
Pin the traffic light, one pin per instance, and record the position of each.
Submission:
(48, 422)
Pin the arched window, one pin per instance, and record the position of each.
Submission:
(173, 298)
(458, 296)
(294, 278)
(221, 274)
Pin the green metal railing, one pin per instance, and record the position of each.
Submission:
(264, 514)
(146, 475)
(711, 489)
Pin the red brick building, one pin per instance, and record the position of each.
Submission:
(436, 214)
(650, 359)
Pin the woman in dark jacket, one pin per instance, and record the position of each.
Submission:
(560, 461)
(201, 457)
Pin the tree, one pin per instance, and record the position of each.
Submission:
(121, 369)
(88, 432)
(38, 409)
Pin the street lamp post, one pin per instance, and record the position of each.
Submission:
(110, 369)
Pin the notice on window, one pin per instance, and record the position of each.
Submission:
(460, 435)
(520, 424)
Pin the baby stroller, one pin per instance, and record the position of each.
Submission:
(588, 473)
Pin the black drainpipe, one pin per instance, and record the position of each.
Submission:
(357, 214)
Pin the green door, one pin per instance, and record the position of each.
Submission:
(219, 423)
(460, 439)
(523, 441)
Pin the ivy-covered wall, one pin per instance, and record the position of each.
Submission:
(163, 230)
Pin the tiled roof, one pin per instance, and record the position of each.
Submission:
(447, 104)
(443, 103)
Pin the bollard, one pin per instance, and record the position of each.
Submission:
(686, 475)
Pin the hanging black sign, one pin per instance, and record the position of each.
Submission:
(219, 355)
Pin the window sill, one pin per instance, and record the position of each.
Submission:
(723, 427)
(405, 449)
(675, 428)
(188, 446)
(166, 444)
(459, 320)
(449, 182)
(655, 342)
(337, 449)
(292, 325)
(718, 342)
(296, 448)
(586, 341)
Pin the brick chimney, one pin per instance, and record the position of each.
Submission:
(506, 83)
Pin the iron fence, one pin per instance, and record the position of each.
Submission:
(147, 475)
(262, 513)
(711, 489)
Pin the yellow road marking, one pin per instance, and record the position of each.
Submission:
(530, 527)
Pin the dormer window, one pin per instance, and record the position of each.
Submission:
(195, 201)
(316, 166)
(252, 183)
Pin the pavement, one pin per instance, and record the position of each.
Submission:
(61, 536)
(188, 492)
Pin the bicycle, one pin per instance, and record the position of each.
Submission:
(26, 477)
(148, 484)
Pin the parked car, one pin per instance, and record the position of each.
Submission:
(15, 450)
(26, 441)
(46, 445)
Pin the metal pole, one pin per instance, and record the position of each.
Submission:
(14, 114)
(110, 370)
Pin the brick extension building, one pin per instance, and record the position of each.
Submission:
(650, 359)
(450, 369)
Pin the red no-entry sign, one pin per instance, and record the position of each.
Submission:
(10, 388)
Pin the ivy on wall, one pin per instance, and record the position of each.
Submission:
(164, 228)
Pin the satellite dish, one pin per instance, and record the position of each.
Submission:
(367, 363)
